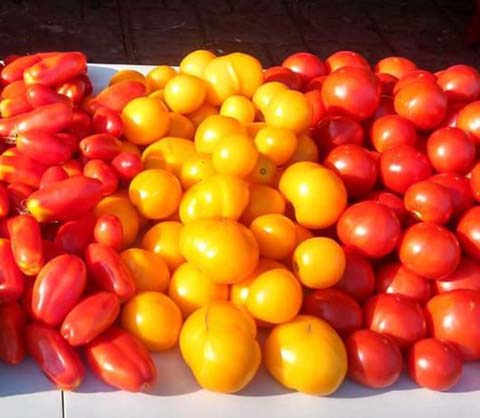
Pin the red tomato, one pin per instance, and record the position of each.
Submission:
(333, 131)
(370, 228)
(104, 173)
(316, 83)
(392, 201)
(52, 175)
(396, 66)
(468, 232)
(339, 309)
(109, 231)
(397, 317)
(455, 317)
(466, 276)
(402, 166)
(284, 75)
(468, 119)
(391, 130)
(127, 165)
(374, 360)
(107, 121)
(12, 328)
(459, 189)
(397, 279)
(387, 83)
(413, 76)
(352, 92)
(12, 281)
(451, 117)
(73, 236)
(430, 250)
(461, 83)
(423, 103)
(306, 65)
(475, 182)
(355, 166)
(346, 59)
(315, 99)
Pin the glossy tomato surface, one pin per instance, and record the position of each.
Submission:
(466, 276)
(391, 130)
(468, 232)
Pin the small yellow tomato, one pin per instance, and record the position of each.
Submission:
(307, 355)
(148, 269)
(156, 193)
(159, 76)
(219, 196)
(254, 128)
(263, 200)
(158, 95)
(195, 169)
(190, 289)
(180, 126)
(131, 75)
(263, 95)
(239, 108)
(202, 113)
(225, 250)
(195, 62)
(307, 150)
(145, 120)
(264, 172)
(184, 93)
(213, 129)
(164, 239)
(277, 144)
(235, 155)
(154, 319)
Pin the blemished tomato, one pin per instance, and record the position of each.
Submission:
(429, 202)
(395, 278)
(306, 65)
(336, 307)
(455, 317)
(468, 232)
(459, 188)
(370, 228)
(391, 130)
(430, 250)
(402, 166)
(374, 360)
(184, 93)
(235, 155)
(466, 276)
(392, 201)
(355, 166)
(351, 92)
(346, 59)
(423, 103)
(475, 182)
(283, 75)
(277, 144)
(396, 316)
(239, 108)
(333, 131)
(461, 83)
(468, 119)
(213, 129)
(307, 355)
(196, 62)
(396, 66)
(434, 364)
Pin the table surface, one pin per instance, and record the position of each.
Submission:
(25, 392)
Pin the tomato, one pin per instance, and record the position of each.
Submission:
(392, 201)
(184, 93)
(169, 153)
(108, 230)
(123, 75)
(351, 92)
(14, 106)
(127, 165)
(459, 188)
(374, 360)
(213, 129)
(81, 125)
(355, 166)
(264, 94)
(385, 107)
(239, 108)
(402, 166)
(104, 173)
(333, 131)
(264, 172)
(40, 95)
(307, 150)
(116, 96)
(346, 59)
(74, 235)
(74, 89)
(235, 155)
(195, 62)
(180, 126)
(391, 130)
(397, 317)
(315, 99)
(370, 228)
(467, 232)
(461, 83)
(283, 75)
(466, 276)
(34, 143)
(263, 200)
(467, 119)
(307, 355)
(107, 121)
(396, 66)
(387, 82)
(158, 77)
(475, 182)
(454, 317)
(196, 168)
(13, 71)
(52, 175)
(414, 76)
(12, 328)
(306, 65)
(277, 144)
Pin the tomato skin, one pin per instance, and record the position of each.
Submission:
(396, 316)
(73, 89)
(468, 232)
(107, 121)
(60, 362)
(81, 124)
(12, 328)
(466, 276)
(127, 165)
(14, 89)
(121, 361)
(4, 202)
(336, 307)
(17, 194)
(11, 278)
(20, 169)
(108, 231)
(306, 65)
(14, 70)
(468, 119)
(459, 188)
(412, 77)
(14, 106)
(100, 146)
(387, 82)
(346, 59)
(455, 317)
(333, 131)
(104, 173)
(283, 75)
(116, 96)
(392, 201)
(374, 360)
(39, 95)
(370, 228)
(475, 182)
(315, 99)
(391, 130)
(34, 143)
(74, 235)
(461, 83)
(396, 66)
(90, 318)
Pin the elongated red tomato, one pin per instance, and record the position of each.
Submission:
(18, 194)
(12, 327)
(466, 276)
(81, 124)
(14, 106)
(52, 175)
(74, 89)
(108, 271)
(39, 95)
(20, 169)
(74, 235)
(107, 121)
(60, 362)
(127, 165)
(100, 146)
(65, 199)
(4, 202)
(58, 288)
(11, 278)
(44, 147)
(117, 96)
(14, 70)
(121, 361)
(104, 173)
(17, 88)
(90, 317)
(109, 231)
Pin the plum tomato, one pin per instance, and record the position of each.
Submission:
(391, 130)
(306, 65)
(459, 188)
(468, 232)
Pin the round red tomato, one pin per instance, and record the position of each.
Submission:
(346, 59)
(283, 75)
(391, 130)
(392, 201)
(475, 182)
(370, 228)
(396, 316)
(374, 360)
(430, 250)
(355, 166)
(459, 189)
(423, 103)
(397, 279)
(306, 65)
(455, 316)
(402, 166)
(315, 99)
(466, 276)
(396, 66)
(461, 83)
(468, 232)
(468, 119)
(434, 364)
(352, 92)
(338, 308)
(417, 75)
(333, 131)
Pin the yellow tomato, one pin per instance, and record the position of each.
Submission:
(126, 146)
(180, 126)
(232, 74)
(307, 150)
(169, 153)
(195, 169)
(156, 193)
(154, 319)
(264, 172)
(124, 75)
(159, 76)
(195, 62)
(164, 239)
(254, 128)
(158, 95)
(185, 93)
(263, 95)
(239, 108)
(219, 196)
(263, 200)
(275, 296)
(235, 155)
(202, 113)
(317, 194)
(213, 129)
(306, 355)
(149, 270)
(225, 250)
(190, 289)
(277, 144)
(302, 233)
(289, 109)
(145, 120)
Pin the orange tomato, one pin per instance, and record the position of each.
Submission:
(302, 233)
(239, 108)
(254, 128)
(169, 153)
(158, 95)
(123, 75)
(213, 129)
(263, 200)
(159, 76)
(264, 172)
(289, 109)
(307, 150)
(184, 93)
(195, 169)
(264, 94)
(235, 155)
(277, 144)
(180, 126)
(202, 113)
(195, 62)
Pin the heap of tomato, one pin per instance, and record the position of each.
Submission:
(325, 204)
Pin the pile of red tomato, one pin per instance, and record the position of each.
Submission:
(328, 202)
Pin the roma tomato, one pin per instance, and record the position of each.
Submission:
(127, 165)
(117, 96)
(108, 231)
(74, 235)
(391, 130)
(14, 70)
(466, 276)
(39, 95)
(100, 146)
(346, 59)
(52, 175)
(459, 188)
(333, 131)
(104, 173)
(306, 65)
(11, 278)
(14, 89)
(396, 66)
(14, 106)
(468, 232)
(461, 83)
(81, 125)
(21, 170)
(74, 89)
(12, 329)
(34, 144)
(107, 121)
